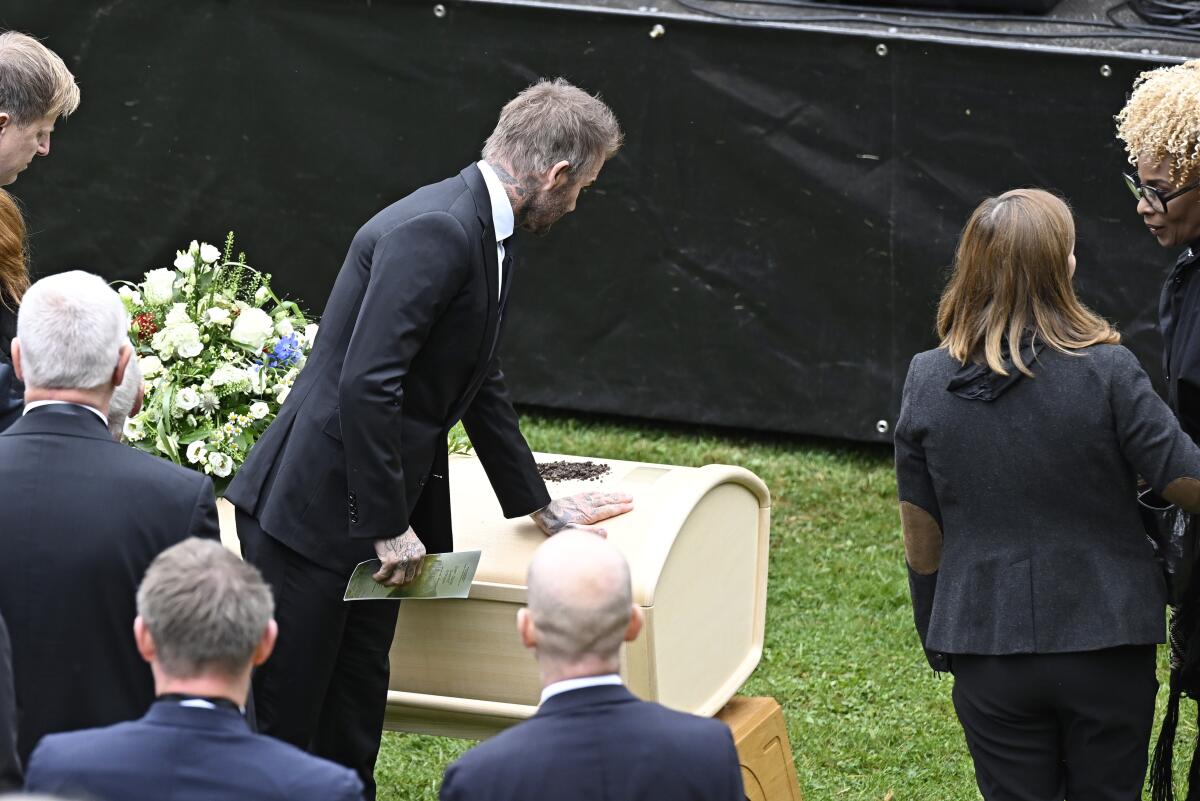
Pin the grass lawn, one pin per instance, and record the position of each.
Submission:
(868, 719)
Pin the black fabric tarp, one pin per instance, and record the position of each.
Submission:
(766, 251)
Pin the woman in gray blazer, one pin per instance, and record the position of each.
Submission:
(1018, 449)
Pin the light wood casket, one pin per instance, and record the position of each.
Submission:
(697, 548)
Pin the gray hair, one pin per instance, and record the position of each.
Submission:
(72, 328)
(205, 608)
(580, 600)
(124, 396)
(553, 121)
(34, 81)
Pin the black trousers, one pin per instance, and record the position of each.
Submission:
(1044, 727)
(324, 689)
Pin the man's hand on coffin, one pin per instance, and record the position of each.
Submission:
(401, 557)
(582, 511)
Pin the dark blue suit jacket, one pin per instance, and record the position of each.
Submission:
(178, 753)
(601, 744)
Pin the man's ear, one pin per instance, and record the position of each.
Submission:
(141, 636)
(526, 628)
(5, 119)
(15, 347)
(559, 175)
(636, 619)
(122, 363)
(262, 651)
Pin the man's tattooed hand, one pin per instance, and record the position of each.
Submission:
(401, 557)
(582, 511)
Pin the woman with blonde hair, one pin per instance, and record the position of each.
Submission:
(14, 280)
(1018, 448)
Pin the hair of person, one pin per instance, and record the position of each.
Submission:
(34, 81)
(14, 261)
(553, 121)
(123, 398)
(1011, 276)
(205, 609)
(1161, 119)
(582, 612)
(72, 328)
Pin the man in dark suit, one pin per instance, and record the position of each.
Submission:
(83, 515)
(204, 621)
(10, 765)
(355, 465)
(592, 740)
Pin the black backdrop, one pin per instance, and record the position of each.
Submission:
(765, 252)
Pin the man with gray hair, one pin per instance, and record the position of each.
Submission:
(204, 622)
(354, 467)
(83, 515)
(36, 88)
(592, 740)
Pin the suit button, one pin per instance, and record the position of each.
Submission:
(353, 518)
(352, 495)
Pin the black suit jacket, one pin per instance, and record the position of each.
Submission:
(185, 754)
(83, 518)
(12, 391)
(407, 347)
(10, 766)
(601, 744)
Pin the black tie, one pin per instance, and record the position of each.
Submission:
(506, 271)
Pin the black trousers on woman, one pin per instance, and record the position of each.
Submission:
(1044, 727)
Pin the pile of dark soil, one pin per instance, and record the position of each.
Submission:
(572, 471)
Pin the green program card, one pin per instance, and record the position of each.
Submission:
(443, 575)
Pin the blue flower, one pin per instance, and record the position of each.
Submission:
(286, 353)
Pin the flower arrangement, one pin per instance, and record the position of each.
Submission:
(219, 352)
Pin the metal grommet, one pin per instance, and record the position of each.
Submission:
(658, 32)
(882, 426)
(439, 11)
(881, 50)
(1105, 71)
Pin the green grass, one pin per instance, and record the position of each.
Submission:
(865, 714)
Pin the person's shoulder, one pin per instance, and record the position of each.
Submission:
(74, 749)
(156, 468)
(446, 197)
(307, 774)
(684, 724)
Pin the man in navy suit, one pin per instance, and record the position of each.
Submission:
(204, 622)
(83, 516)
(592, 740)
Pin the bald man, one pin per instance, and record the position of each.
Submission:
(592, 740)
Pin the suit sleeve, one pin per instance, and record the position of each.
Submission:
(920, 516)
(10, 765)
(1150, 437)
(736, 791)
(205, 522)
(492, 424)
(448, 791)
(416, 269)
(350, 788)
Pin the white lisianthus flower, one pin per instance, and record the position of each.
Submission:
(218, 316)
(135, 429)
(261, 294)
(159, 286)
(227, 374)
(208, 253)
(130, 297)
(310, 334)
(283, 394)
(259, 410)
(184, 262)
(196, 452)
(178, 315)
(252, 328)
(151, 366)
(284, 327)
(181, 340)
(194, 248)
(187, 399)
(221, 464)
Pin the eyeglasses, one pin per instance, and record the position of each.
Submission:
(1156, 198)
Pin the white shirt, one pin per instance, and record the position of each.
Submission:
(567, 685)
(91, 409)
(502, 217)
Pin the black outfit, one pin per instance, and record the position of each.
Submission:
(10, 765)
(1029, 484)
(12, 391)
(1179, 324)
(184, 754)
(84, 517)
(407, 347)
(601, 744)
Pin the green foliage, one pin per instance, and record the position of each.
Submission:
(457, 440)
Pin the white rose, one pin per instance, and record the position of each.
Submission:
(310, 334)
(196, 452)
(184, 262)
(178, 315)
(194, 248)
(252, 328)
(259, 410)
(159, 286)
(221, 464)
(178, 340)
(208, 253)
(187, 399)
(151, 366)
(218, 316)
(227, 374)
(130, 297)
(284, 327)
(134, 430)
(261, 294)
(283, 394)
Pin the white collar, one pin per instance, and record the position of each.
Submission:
(567, 685)
(91, 409)
(502, 211)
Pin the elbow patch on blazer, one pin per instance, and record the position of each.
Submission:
(1184, 493)
(922, 539)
